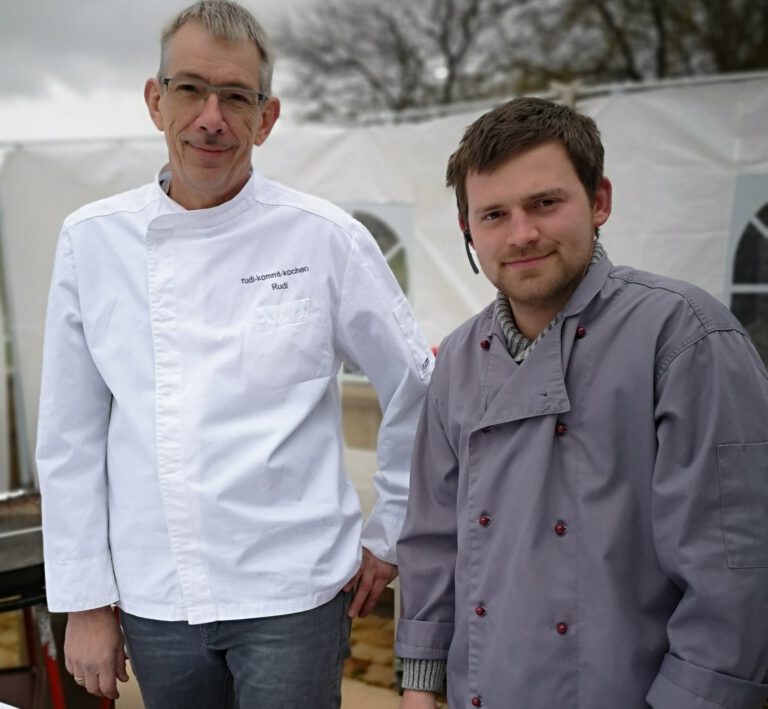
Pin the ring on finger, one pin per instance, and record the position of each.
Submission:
(77, 679)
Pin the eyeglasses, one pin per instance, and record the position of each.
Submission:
(187, 92)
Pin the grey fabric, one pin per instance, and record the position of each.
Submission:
(579, 524)
(424, 675)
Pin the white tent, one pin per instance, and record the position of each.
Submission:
(676, 155)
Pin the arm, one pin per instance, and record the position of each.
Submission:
(378, 334)
(418, 700)
(710, 496)
(427, 553)
(71, 463)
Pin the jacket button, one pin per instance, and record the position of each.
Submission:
(485, 429)
(560, 529)
(560, 429)
(562, 628)
(581, 332)
(485, 344)
(480, 610)
(477, 702)
(484, 520)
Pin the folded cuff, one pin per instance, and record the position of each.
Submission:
(424, 675)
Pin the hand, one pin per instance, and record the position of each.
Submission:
(369, 581)
(93, 651)
(418, 700)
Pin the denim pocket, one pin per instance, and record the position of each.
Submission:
(345, 649)
(743, 473)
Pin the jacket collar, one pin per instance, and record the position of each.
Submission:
(511, 391)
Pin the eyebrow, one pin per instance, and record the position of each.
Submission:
(229, 84)
(543, 194)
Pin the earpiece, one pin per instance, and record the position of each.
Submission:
(467, 242)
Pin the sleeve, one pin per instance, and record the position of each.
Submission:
(71, 453)
(428, 545)
(710, 524)
(377, 334)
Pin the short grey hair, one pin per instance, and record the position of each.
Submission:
(226, 20)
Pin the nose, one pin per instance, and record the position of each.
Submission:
(522, 230)
(210, 118)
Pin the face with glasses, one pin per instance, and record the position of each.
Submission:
(210, 108)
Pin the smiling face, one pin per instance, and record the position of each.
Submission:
(209, 147)
(532, 228)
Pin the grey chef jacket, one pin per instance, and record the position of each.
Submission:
(589, 529)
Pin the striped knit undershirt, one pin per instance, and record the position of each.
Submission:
(429, 675)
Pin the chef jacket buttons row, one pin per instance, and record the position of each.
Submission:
(480, 610)
(581, 332)
(484, 520)
(560, 529)
(562, 628)
(477, 702)
(485, 344)
(561, 429)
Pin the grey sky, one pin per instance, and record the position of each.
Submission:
(58, 53)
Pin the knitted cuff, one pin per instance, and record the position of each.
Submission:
(424, 675)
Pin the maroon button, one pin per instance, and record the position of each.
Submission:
(560, 529)
(484, 520)
(562, 628)
(485, 344)
(480, 611)
(560, 429)
(581, 332)
(477, 702)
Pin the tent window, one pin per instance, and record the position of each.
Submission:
(749, 292)
(389, 243)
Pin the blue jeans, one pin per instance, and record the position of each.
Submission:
(282, 662)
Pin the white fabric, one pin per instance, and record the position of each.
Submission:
(189, 444)
(674, 156)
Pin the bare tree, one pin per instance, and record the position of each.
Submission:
(352, 56)
(635, 40)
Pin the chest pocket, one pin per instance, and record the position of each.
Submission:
(285, 344)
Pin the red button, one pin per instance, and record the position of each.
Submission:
(485, 344)
(480, 611)
(581, 332)
(560, 529)
(484, 520)
(477, 702)
(562, 628)
(560, 429)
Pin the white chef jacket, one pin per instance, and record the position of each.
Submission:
(189, 446)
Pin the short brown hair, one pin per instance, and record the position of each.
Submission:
(518, 125)
(226, 20)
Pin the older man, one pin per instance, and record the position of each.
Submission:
(189, 446)
(587, 521)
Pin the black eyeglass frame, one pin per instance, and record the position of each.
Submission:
(214, 88)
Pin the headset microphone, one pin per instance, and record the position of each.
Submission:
(467, 241)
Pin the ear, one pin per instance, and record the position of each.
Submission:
(601, 209)
(152, 94)
(269, 115)
(464, 228)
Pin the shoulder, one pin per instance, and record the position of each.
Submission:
(664, 297)
(463, 344)
(132, 202)
(305, 208)
(673, 315)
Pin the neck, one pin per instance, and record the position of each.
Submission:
(531, 321)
